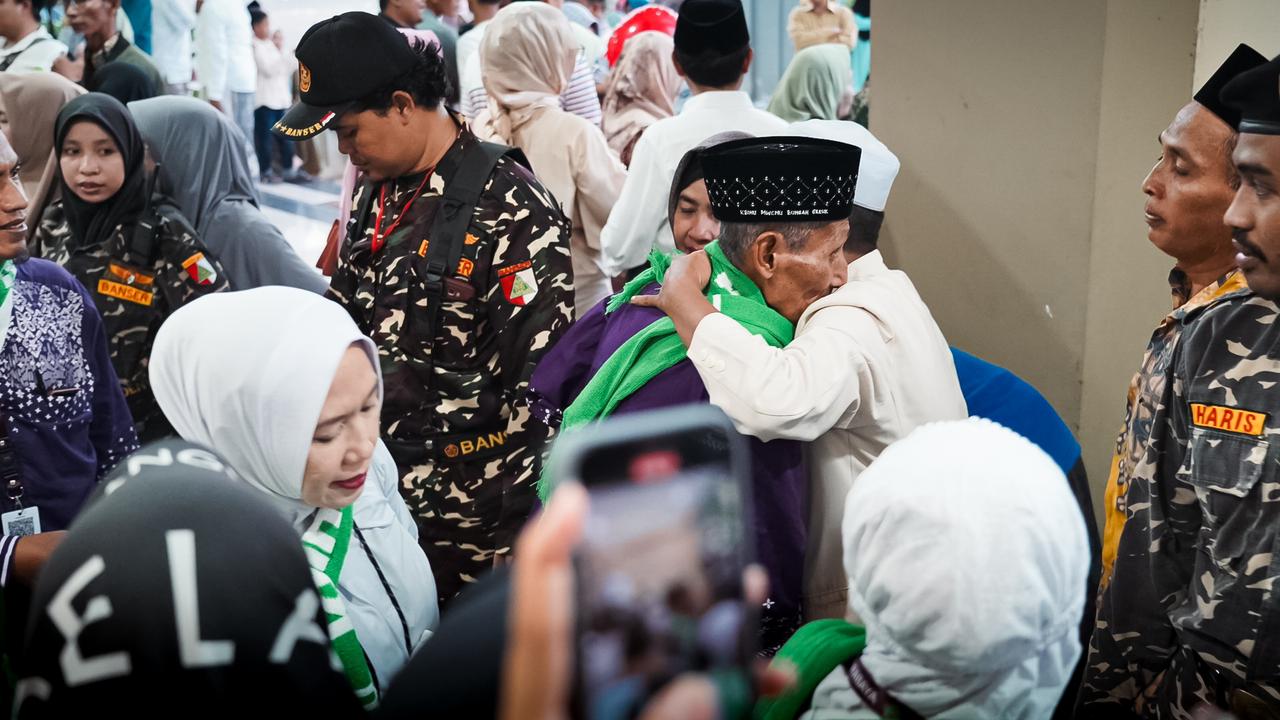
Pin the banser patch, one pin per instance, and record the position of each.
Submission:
(1226, 419)
(128, 293)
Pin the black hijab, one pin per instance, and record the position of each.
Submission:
(124, 82)
(689, 171)
(170, 541)
(93, 223)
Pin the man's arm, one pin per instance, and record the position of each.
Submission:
(637, 219)
(213, 59)
(798, 392)
(533, 246)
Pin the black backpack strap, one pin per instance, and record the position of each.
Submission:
(468, 173)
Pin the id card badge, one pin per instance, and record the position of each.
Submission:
(21, 522)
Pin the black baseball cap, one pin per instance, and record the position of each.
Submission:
(341, 60)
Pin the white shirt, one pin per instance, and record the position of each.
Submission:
(224, 47)
(638, 222)
(171, 24)
(275, 73)
(867, 366)
(33, 53)
(468, 47)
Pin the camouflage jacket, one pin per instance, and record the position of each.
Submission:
(135, 294)
(1145, 392)
(453, 411)
(1190, 613)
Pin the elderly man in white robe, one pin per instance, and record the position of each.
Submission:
(867, 366)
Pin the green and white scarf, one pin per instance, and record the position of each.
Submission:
(658, 347)
(326, 542)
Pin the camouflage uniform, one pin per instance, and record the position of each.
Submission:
(467, 451)
(1189, 615)
(1145, 391)
(135, 296)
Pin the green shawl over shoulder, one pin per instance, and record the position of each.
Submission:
(658, 346)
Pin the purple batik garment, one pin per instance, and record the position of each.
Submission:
(60, 397)
(779, 476)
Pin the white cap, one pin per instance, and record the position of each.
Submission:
(878, 167)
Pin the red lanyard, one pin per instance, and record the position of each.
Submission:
(379, 237)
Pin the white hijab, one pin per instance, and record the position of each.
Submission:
(967, 560)
(247, 373)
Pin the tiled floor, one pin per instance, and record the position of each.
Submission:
(304, 213)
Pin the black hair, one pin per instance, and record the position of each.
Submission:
(256, 16)
(36, 7)
(736, 238)
(864, 230)
(382, 5)
(711, 68)
(426, 80)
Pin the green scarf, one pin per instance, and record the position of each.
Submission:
(657, 347)
(815, 650)
(326, 543)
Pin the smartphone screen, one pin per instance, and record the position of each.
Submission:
(660, 567)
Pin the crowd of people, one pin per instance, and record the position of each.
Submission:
(232, 484)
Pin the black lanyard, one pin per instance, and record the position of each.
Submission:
(404, 624)
(876, 698)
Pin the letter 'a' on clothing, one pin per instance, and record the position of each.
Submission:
(181, 591)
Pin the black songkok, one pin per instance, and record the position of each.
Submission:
(1242, 59)
(1255, 94)
(711, 26)
(784, 179)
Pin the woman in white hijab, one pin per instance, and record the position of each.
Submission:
(281, 383)
(967, 559)
(528, 53)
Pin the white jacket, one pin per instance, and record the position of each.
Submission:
(224, 49)
(867, 366)
(392, 535)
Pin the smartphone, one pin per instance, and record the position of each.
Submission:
(661, 561)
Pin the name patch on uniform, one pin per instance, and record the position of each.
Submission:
(1233, 420)
(130, 276)
(128, 293)
(465, 447)
(513, 269)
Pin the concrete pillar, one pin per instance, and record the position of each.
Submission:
(1025, 128)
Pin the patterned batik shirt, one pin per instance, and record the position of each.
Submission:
(135, 294)
(1145, 390)
(454, 414)
(65, 415)
(1190, 614)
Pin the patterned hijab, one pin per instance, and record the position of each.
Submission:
(642, 89)
(94, 223)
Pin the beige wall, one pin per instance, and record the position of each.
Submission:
(1025, 128)
(1227, 23)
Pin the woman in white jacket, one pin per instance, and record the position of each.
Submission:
(282, 384)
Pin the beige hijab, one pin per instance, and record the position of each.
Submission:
(641, 91)
(40, 96)
(527, 55)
